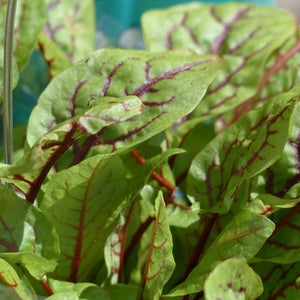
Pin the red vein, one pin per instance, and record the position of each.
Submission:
(219, 41)
(14, 246)
(79, 239)
(109, 77)
(279, 63)
(147, 85)
(123, 241)
(36, 185)
(47, 287)
(73, 98)
(136, 238)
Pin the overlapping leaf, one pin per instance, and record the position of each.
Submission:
(245, 34)
(281, 281)
(27, 237)
(241, 151)
(160, 263)
(84, 204)
(233, 279)
(241, 238)
(45, 153)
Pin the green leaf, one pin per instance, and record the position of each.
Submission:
(246, 35)
(71, 25)
(240, 152)
(181, 216)
(27, 237)
(84, 204)
(283, 177)
(192, 137)
(112, 252)
(124, 292)
(281, 281)
(153, 77)
(36, 265)
(57, 61)
(233, 279)
(242, 238)
(10, 277)
(160, 264)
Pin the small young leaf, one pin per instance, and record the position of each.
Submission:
(160, 264)
(233, 279)
(241, 238)
(112, 252)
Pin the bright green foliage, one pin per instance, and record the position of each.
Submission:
(233, 279)
(158, 174)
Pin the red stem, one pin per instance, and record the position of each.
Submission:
(154, 175)
(36, 185)
(47, 287)
(136, 238)
(123, 241)
(200, 246)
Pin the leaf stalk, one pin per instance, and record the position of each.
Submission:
(7, 82)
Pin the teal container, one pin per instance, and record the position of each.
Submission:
(127, 13)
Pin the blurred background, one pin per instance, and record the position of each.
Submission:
(118, 26)
(291, 5)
